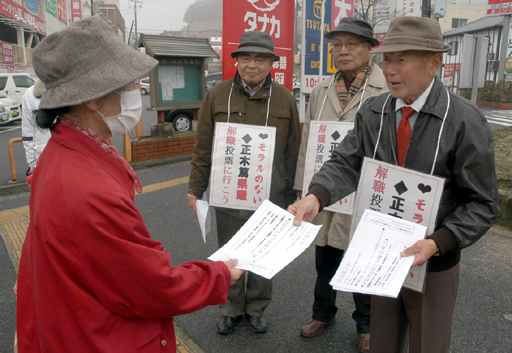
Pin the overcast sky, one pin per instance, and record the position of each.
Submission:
(155, 16)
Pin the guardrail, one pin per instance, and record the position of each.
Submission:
(11, 157)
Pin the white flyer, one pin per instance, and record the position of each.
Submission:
(268, 241)
(372, 263)
(324, 137)
(203, 217)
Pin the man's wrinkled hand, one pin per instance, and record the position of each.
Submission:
(423, 249)
(192, 201)
(305, 209)
(235, 273)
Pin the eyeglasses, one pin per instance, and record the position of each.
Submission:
(350, 46)
(258, 59)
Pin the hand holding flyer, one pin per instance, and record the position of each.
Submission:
(372, 263)
(268, 241)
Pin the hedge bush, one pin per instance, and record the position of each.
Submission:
(500, 92)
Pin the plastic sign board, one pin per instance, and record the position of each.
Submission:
(312, 34)
(275, 17)
(499, 7)
(324, 137)
(402, 193)
(242, 160)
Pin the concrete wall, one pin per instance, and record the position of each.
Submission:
(470, 12)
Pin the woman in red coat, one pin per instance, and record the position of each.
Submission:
(91, 279)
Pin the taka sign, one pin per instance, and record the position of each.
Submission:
(275, 17)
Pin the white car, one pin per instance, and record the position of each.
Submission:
(14, 85)
(9, 110)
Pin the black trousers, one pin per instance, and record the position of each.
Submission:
(327, 261)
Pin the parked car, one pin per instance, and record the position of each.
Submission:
(14, 85)
(145, 88)
(181, 119)
(9, 110)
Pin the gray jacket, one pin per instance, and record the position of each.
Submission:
(470, 201)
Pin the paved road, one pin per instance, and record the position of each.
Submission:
(498, 117)
(482, 318)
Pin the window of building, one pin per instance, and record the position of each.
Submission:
(457, 22)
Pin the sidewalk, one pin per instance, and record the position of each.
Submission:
(13, 227)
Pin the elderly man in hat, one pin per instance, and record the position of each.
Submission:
(338, 99)
(251, 97)
(445, 135)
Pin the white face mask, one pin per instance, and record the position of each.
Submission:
(131, 110)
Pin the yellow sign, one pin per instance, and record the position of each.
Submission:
(331, 65)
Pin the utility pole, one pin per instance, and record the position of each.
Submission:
(135, 16)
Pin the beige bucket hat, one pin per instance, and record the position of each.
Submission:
(413, 33)
(86, 61)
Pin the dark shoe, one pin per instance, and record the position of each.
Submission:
(258, 324)
(227, 325)
(363, 342)
(314, 327)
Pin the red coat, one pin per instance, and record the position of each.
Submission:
(91, 279)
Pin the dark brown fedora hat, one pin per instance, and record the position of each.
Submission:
(413, 33)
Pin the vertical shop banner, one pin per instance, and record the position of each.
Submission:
(76, 10)
(242, 160)
(7, 52)
(275, 17)
(312, 53)
(27, 14)
(324, 137)
(62, 10)
(51, 7)
(401, 193)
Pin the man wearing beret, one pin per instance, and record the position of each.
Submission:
(338, 99)
(251, 97)
(424, 127)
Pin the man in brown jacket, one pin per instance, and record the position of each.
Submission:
(246, 97)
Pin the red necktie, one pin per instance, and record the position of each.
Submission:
(404, 134)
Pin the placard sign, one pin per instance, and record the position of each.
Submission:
(401, 193)
(324, 137)
(242, 160)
